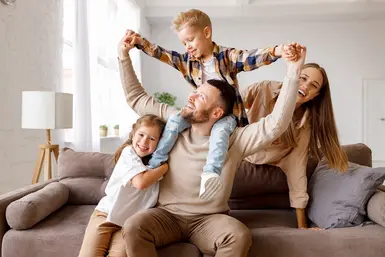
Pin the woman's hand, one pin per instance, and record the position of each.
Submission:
(296, 64)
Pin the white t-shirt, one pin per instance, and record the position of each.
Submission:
(122, 200)
(208, 70)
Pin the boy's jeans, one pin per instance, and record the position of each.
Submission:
(218, 144)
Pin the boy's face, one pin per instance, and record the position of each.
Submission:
(196, 40)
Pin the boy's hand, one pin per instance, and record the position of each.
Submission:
(299, 61)
(278, 50)
(129, 40)
(135, 38)
(286, 51)
(291, 51)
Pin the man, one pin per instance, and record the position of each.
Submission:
(180, 214)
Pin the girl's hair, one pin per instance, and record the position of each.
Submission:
(193, 18)
(323, 137)
(147, 120)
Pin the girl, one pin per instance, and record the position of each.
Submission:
(312, 131)
(131, 188)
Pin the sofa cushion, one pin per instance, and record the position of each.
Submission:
(275, 234)
(85, 174)
(30, 209)
(255, 185)
(62, 235)
(376, 207)
(339, 199)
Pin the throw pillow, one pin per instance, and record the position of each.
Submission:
(339, 199)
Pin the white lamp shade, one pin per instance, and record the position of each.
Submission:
(46, 110)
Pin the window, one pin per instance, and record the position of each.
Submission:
(107, 22)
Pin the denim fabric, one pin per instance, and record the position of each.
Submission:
(175, 124)
(219, 144)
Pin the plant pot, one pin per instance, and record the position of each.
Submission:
(116, 132)
(103, 132)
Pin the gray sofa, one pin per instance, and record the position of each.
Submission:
(49, 219)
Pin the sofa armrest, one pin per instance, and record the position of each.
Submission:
(376, 207)
(31, 209)
(7, 198)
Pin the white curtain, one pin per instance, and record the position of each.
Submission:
(129, 17)
(98, 94)
(85, 127)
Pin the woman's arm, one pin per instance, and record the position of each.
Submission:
(258, 135)
(149, 177)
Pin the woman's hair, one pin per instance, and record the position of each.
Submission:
(147, 120)
(323, 136)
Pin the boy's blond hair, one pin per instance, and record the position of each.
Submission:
(192, 17)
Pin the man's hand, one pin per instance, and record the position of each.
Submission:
(129, 40)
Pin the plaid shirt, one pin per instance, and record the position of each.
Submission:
(228, 63)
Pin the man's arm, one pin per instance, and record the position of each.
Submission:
(135, 95)
(243, 60)
(260, 134)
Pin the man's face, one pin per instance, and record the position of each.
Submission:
(202, 105)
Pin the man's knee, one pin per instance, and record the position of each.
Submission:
(238, 235)
(242, 236)
(132, 226)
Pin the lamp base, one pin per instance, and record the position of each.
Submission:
(45, 155)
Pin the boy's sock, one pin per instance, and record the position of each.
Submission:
(210, 185)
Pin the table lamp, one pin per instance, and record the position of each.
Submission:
(46, 110)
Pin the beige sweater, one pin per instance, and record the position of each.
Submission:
(259, 101)
(179, 189)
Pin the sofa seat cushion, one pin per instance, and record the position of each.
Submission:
(275, 234)
(61, 235)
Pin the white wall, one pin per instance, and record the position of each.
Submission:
(349, 51)
(30, 59)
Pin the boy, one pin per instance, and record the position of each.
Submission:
(205, 60)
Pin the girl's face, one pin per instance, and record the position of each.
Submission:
(145, 140)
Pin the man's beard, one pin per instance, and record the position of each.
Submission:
(194, 117)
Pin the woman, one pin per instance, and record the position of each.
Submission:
(312, 131)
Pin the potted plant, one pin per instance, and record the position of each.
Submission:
(165, 97)
(103, 130)
(116, 128)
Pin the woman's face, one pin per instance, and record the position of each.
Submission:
(310, 83)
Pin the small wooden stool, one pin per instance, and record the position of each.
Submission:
(45, 151)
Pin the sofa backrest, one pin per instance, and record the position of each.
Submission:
(255, 186)
(85, 174)
(265, 186)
